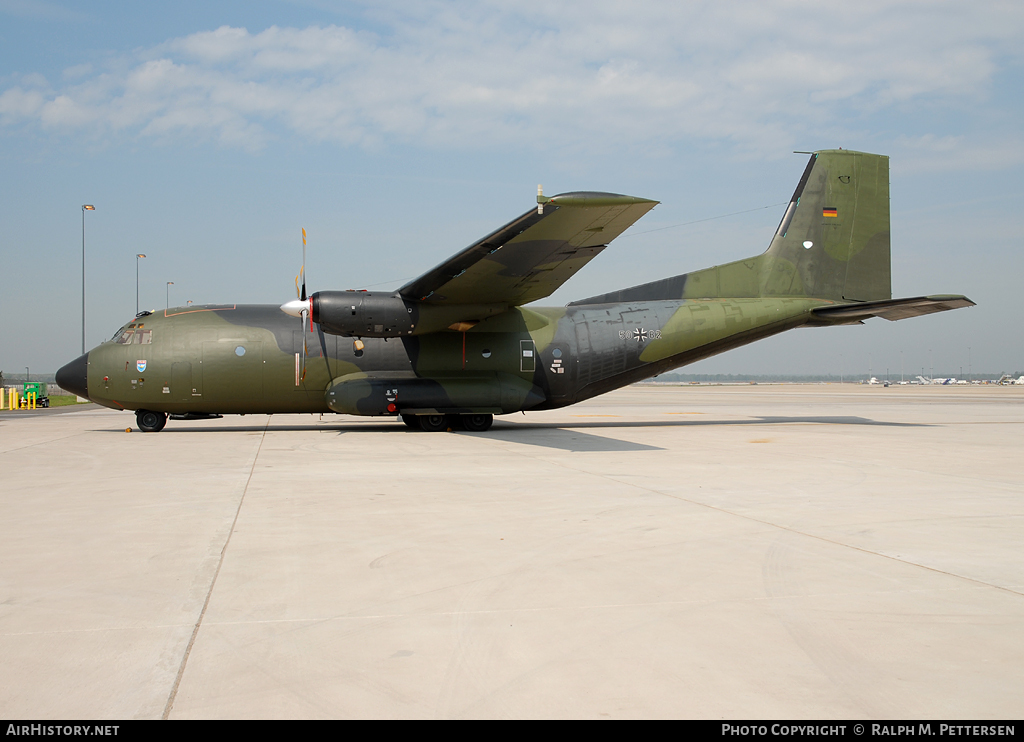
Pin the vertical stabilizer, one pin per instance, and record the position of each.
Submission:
(833, 241)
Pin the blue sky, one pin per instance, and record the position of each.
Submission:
(208, 134)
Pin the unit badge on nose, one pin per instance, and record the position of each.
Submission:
(141, 365)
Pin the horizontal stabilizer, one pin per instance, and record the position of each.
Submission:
(891, 309)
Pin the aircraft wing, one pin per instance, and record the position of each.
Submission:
(530, 257)
(892, 309)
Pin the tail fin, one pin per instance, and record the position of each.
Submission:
(832, 243)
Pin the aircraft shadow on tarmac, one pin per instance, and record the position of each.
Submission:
(566, 437)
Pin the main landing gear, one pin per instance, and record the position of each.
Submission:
(150, 422)
(477, 423)
(437, 423)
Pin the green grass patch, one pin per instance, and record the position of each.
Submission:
(64, 400)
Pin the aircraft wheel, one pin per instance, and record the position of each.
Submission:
(412, 422)
(151, 422)
(477, 423)
(433, 423)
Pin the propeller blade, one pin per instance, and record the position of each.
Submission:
(323, 349)
(303, 308)
(303, 271)
(302, 320)
(303, 348)
(308, 310)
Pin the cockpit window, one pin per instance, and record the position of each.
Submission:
(134, 337)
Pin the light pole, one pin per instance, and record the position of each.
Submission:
(139, 255)
(85, 208)
(169, 284)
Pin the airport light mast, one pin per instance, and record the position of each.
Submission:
(85, 208)
(137, 256)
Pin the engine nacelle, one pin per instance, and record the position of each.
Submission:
(372, 314)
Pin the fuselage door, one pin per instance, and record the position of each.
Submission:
(559, 370)
(527, 356)
(181, 388)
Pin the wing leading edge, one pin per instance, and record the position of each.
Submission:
(530, 257)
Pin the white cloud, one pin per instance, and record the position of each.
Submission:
(17, 103)
(762, 74)
(77, 71)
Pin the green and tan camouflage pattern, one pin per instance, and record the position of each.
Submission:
(530, 257)
(848, 256)
(828, 263)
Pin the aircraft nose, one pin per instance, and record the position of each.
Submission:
(74, 377)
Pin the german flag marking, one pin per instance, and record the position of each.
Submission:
(829, 211)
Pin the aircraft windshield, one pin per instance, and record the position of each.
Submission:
(131, 335)
(120, 332)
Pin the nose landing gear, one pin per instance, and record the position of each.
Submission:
(151, 422)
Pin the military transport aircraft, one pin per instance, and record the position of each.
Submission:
(457, 346)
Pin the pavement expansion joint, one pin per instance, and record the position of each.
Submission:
(770, 524)
(213, 583)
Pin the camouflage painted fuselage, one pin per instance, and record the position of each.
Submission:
(248, 358)
(458, 340)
